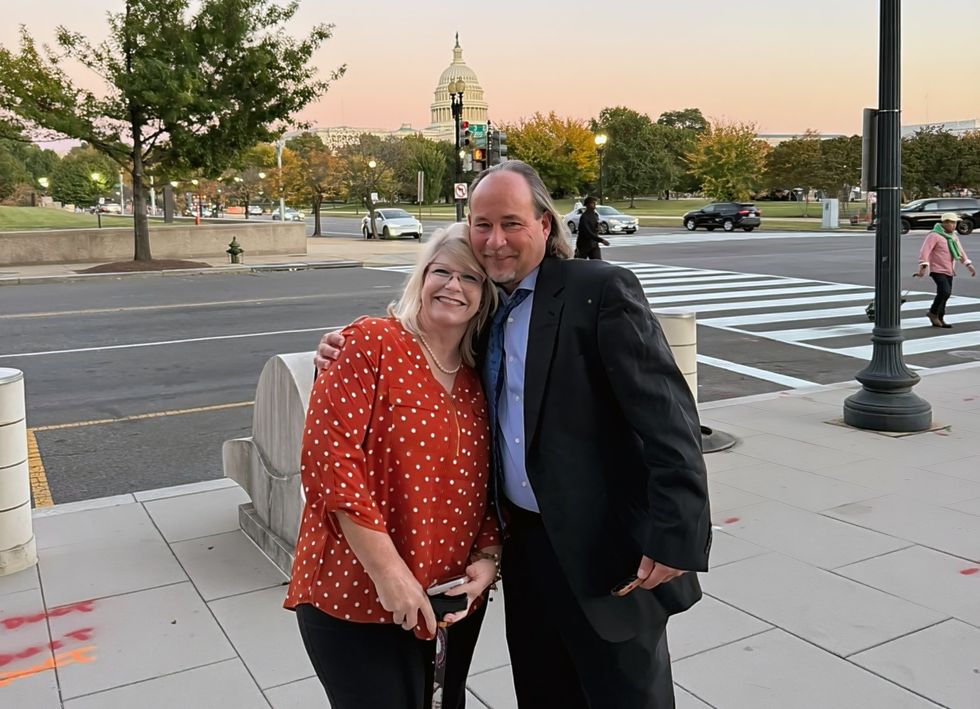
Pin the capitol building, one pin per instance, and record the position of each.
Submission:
(442, 126)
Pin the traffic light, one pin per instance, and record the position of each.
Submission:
(465, 135)
(479, 159)
(498, 147)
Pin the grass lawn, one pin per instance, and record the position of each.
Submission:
(27, 218)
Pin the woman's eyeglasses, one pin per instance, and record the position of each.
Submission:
(444, 275)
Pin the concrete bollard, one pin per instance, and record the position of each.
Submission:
(681, 330)
(18, 550)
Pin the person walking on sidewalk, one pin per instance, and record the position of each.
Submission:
(938, 256)
(587, 243)
(598, 473)
(395, 469)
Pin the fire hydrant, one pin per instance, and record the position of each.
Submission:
(235, 251)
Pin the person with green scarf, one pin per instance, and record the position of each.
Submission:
(938, 255)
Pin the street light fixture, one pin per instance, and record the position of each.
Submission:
(886, 401)
(600, 145)
(456, 88)
(200, 206)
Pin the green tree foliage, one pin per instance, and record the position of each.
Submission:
(247, 179)
(312, 173)
(690, 119)
(13, 174)
(188, 86)
(931, 162)
(562, 150)
(839, 168)
(427, 157)
(970, 165)
(686, 125)
(637, 158)
(729, 160)
(82, 177)
(795, 164)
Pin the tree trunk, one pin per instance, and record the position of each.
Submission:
(141, 225)
(317, 201)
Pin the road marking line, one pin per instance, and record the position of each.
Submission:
(694, 300)
(134, 345)
(171, 306)
(140, 417)
(774, 377)
(35, 467)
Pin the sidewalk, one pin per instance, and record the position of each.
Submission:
(322, 252)
(845, 573)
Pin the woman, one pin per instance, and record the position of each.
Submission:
(939, 253)
(395, 466)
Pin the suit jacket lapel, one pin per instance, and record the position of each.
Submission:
(542, 333)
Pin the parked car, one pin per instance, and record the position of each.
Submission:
(254, 210)
(291, 215)
(392, 222)
(925, 213)
(727, 215)
(611, 220)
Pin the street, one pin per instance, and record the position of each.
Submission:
(134, 384)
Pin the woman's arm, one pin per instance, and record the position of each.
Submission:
(399, 591)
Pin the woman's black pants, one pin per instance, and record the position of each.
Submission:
(944, 289)
(381, 666)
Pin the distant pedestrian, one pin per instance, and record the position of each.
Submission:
(587, 243)
(939, 253)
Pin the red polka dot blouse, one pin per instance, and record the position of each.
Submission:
(386, 444)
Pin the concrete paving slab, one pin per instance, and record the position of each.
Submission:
(25, 651)
(494, 688)
(969, 506)
(182, 490)
(140, 636)
(726, 460)
(103, 551)
(950, 531)
(303, 694)
(812, 538)
(798, 488)
(227, 565)
(797, 453)
(37, 691)
(685, 700)
(265, 635)
(775, 670)
(24, 580)
(967, 468)
(725, 549)
(223, 684)
(708, 625)
(941, 662)
(832, 612)
(929, 578)
(913, 482)
(725, 497)
(203, 514)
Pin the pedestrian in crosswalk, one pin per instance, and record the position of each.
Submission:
(939, 253)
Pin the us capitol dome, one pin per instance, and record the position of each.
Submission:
(474, 106)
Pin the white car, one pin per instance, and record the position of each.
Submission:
(392, 222)
(291, 215)
(611, 220)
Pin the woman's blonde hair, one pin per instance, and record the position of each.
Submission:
(453, 241)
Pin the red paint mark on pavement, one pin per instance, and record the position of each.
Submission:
(970, 572)
(731, 520)
(82, 635)
(15, 622)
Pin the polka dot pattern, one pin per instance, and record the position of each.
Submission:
(385, 443)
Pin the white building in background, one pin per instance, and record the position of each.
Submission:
(441, 126)
(956, 128)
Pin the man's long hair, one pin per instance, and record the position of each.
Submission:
(557, 244)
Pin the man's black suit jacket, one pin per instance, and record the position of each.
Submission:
(613, 445)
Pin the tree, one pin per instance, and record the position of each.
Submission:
(562, 150)
(312, 173)
(13, 174)
(186, 91)
(729, 160)
(82, 177)
(970, 152)
(931, 162)
(690, 119)
(794, 164)
(637, 158)
(431, 161)
(246, 180)
(840, 167)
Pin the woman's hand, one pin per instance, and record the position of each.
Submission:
(403, 596)
(481, 574)
(328, 350)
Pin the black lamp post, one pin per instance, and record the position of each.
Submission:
(886, 401)
(600, 146)
(456, 88)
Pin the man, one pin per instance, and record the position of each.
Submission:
(597, 455)
(939, 253)
(587, 243)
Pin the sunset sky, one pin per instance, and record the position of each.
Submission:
(786, 66)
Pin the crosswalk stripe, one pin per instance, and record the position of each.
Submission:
(921, 345)
(864, 293)
(821, 333)
(730, 287)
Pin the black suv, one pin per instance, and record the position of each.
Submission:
(925, 213)
(727, 215)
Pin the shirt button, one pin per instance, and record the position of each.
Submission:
(517, 398)
(524, 484)
(510, 320)
(517, 440)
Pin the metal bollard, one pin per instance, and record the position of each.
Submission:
(681, 330)
(18, 550)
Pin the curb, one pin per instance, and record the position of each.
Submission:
(171, 273)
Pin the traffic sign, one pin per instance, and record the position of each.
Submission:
(478, 133)
(459, 190)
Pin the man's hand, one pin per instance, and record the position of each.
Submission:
(972, 270)
(921, 272)
(481, 574)
(328, 350)
(604, 242)
(652, 574)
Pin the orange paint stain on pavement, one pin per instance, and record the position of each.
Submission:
(62, 659)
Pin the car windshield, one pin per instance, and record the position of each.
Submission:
(395, 214)
(914, 204)
(608, 211)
